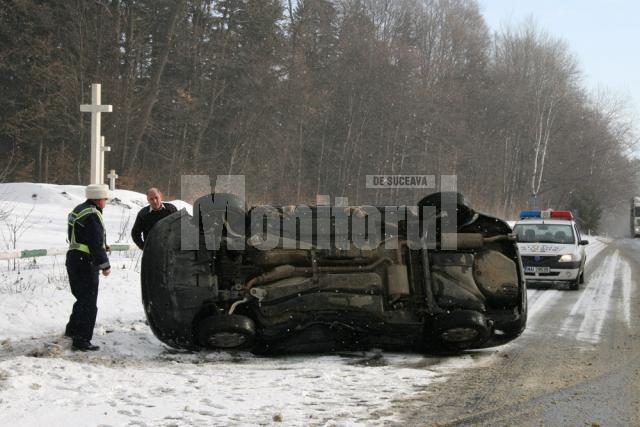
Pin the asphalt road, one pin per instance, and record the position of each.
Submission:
(577, 364)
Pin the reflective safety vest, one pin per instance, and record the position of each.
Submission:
(73, 219)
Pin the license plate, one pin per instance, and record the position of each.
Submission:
(536, 269)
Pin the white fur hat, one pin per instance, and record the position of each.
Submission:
(97, 191)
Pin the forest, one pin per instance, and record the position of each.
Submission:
(309, 97)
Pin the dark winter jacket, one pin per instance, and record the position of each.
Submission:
(145, 221)
(86, 233)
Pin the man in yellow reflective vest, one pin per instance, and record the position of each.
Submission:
(86, 257)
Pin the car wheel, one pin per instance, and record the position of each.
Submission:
(460, 329)
(226, 332)
(574, 285)
(582, 278)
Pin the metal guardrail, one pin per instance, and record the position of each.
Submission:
(34, 253)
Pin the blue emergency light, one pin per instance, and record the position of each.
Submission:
(529, 214)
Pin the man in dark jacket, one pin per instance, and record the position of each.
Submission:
(87, 256)
(149, 216)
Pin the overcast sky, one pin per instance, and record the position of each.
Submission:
(604, 35)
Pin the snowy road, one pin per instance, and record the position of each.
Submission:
(576, 363)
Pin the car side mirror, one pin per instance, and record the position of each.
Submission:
(583, 242)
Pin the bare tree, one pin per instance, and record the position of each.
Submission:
(308, 97)
(14, 229)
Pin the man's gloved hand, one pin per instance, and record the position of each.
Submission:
(106, 272)
(108, 249)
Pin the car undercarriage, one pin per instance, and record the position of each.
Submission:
(441, 277)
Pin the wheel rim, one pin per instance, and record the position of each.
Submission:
(460, 334)
(227, 339)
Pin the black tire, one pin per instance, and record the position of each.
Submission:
(460, 330)
(574, 285)
(169, 319)
(582, 277)
(226, 332)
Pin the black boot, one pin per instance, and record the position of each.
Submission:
(83, 345)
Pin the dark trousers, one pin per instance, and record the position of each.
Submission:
(84, 279)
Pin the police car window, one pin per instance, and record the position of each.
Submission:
(544, 233)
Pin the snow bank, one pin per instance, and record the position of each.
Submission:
(39, 212)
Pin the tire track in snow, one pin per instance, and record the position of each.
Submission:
(588, 314)
(594, 248)
(576, 316)
(540, 305)
(626, 292)
(591, 326)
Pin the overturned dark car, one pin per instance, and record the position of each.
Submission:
(436, 277)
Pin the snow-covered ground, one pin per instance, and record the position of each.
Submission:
(134, 379)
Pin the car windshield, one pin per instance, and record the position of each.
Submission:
(544, 233)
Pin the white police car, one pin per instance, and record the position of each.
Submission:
(551, 248)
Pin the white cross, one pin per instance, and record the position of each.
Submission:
(95, 108)
(112, 179)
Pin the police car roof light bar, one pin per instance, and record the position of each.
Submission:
(546, 214)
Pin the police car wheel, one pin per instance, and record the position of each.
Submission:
(582, 277)
(574, 285)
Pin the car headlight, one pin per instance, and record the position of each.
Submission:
(567, 258)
